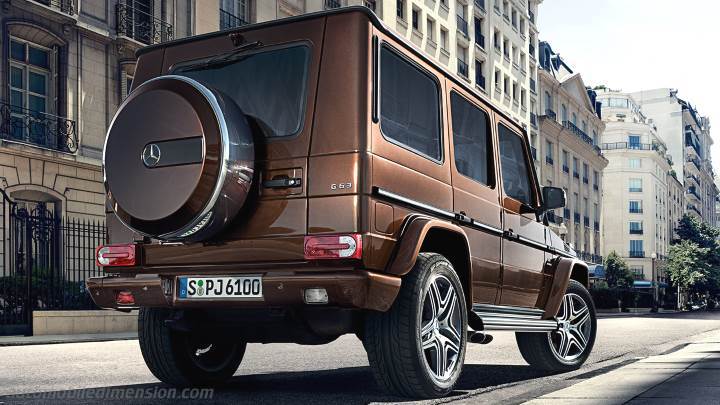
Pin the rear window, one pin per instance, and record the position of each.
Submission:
(269, 86)
(409, 106)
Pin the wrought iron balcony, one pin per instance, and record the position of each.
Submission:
(230, 20)
(141, 26)
(331, 4)
(636, 210)
(479, 39)
(37, 128)
(462, 68)
(462, 25)
(637, 253)
(550, 114)
(636, 231)
(565, 169)
(65, 6)
(549, 160)
(576, 174)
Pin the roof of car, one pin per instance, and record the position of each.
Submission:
(342, 10)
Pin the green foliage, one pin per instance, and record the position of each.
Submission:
(617, 273)
(687, 264)
(700, 233)
(694, 258)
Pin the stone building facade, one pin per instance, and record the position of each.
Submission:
(569, 155)
(643, 198)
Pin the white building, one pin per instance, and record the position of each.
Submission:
(569, 155)
(643, 199)
(687, 135)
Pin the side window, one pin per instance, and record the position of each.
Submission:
(409, 106)
(471, 140)
(513, 162)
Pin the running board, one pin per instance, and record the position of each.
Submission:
(496, 317)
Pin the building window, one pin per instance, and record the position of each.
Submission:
(636, 248)
(506, 86)
(636, 207)
(234, 13)
(586, 173)
(548, 152)
(596, 179)
(634, 163)
(574, 119)
(400, 9)
(431, 30)
(443, 39)
(563, 113)
(635, 185)
(637, 272)
(565, 161)
(636, 227)
(595, 138)
(409, 106)
(576, 168)
(30, 84)
(634, 141)
(471, 141)
(548, 101)
(416, 19)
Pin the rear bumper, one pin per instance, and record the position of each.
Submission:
(348, 289)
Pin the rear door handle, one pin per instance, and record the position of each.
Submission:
(283, 183)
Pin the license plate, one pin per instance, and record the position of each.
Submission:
(220, 287)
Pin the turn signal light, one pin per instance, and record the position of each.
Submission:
(115, 255)
(125, 298)
(333, 247)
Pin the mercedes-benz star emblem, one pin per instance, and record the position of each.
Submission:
(151, 155)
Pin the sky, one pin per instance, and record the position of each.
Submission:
(632, 45)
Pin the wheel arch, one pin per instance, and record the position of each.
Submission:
(564, 270)
(425, 234)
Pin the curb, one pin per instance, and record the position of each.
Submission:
(60, 339)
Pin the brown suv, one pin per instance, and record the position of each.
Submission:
(297, 180)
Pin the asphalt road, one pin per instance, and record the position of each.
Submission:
(333, 373)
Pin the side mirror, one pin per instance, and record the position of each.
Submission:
(553, 197)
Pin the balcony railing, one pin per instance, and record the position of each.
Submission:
(590, 257)
(576, 174)
(596, 225)
(691, 190)
(550, 114)
(331, 4)
(636, 210)
(636, 231)
(637, 253)
(229, 20)
(695, 161)
(585, 180)
(65, 6)
(462, 68)
(479, 39)
(693, 177)
(37, 128)
(462, 25)
(565, 169)
(596, 187)
(549, 160)
(692, 207)
(479, 80)
(582, 135)
(141, 26)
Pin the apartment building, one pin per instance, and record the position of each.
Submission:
(687, 135)
(568, 154)
(643, 199)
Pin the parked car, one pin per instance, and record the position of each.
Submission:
(301, 179)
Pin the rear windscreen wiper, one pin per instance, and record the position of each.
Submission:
(229, 55)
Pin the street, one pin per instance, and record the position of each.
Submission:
(338, 373)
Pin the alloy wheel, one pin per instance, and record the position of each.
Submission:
(441, 328)
(571, 338)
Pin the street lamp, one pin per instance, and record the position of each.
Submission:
(654, 284)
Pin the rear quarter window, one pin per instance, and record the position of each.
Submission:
(409, 106)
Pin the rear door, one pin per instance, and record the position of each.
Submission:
(475, 190)
(524, 236)
(273, 77)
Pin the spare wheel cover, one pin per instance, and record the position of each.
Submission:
(178, 160)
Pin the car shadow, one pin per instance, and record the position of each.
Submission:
(346, 386)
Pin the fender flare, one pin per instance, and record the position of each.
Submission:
(564, 268)
(411, 239)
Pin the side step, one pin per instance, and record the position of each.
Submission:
(492, 317)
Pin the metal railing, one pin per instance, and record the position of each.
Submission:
(585, 180)
(480, 39)
(230, 20)
(635, 210)
(462, 25)
(693, 191)
(695, 161)
(590, 257)
(550, 114)
(141, 26)
(582, 135)
(565, 169)
(637, 253)
(462, 68)
(576, 174)
(37, 128)
(331, 4)
(692, 176)
(692, 207)
(596, 225)
(549, 160)
(636, 231)
(65, 6)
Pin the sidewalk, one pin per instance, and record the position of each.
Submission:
(608, 313)
(53, 339)
(689, 375)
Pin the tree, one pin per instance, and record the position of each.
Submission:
(700, 233)
(617, 273)
(687, 264)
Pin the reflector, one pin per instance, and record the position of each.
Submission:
(333, 247)
(115, 255)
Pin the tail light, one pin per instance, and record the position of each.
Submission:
(115, 255)
(333, 247)
(125, 298)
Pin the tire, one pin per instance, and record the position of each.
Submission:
(184, 359)
(394, 339)
(546, 350)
